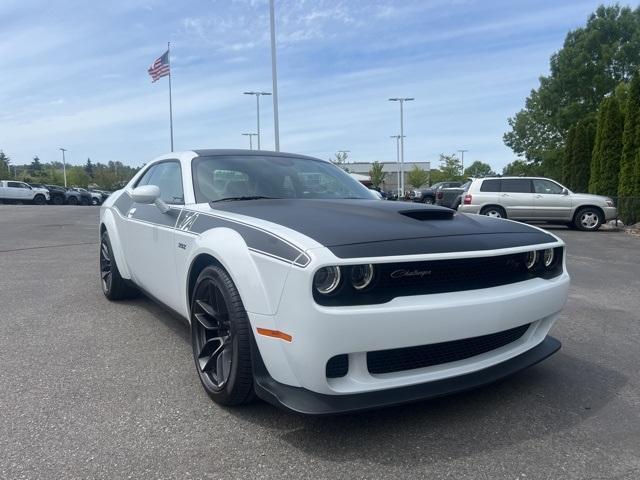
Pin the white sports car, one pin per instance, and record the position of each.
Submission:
(303, 290)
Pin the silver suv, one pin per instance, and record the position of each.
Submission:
(534, 198)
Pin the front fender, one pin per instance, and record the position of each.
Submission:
(258, 278)
(108, 220)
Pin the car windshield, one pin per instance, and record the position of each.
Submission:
(249, 177)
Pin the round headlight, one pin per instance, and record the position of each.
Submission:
(530, 259)
(327, 280)
(361, 276)
(548, 257)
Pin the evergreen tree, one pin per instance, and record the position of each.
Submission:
(4, 164)
(631, 141)
(607, 149)
(36, 166)
(88, 168)
(582, 151)
(569, 157)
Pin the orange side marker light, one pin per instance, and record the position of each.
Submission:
(275, 334)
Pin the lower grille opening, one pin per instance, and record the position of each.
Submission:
(399, 359)
(338, 366)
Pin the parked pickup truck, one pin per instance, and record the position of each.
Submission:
(14, 191)
(451, 197)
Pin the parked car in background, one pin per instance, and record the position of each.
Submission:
(89, 198)
(103, 194)
(536, 198)
(14, 191)
(60, 195)
(303, 290)
(452, 197)
(428, 195)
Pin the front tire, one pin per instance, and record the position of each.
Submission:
(72, 201)
(57, 200)
(494, 211)
(114, 286)
(428, 201)
(94, 201)
(588, 219)
(220, 337)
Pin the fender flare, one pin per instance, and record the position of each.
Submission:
(109, 223)
(228, 248)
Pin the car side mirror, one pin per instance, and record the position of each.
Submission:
(149, 194)
(565, 191)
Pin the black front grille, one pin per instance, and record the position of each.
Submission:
(338, 366)
(438, 276)
(399, 359)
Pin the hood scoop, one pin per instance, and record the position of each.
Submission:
(428, 214)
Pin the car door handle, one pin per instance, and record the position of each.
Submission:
(538, 196)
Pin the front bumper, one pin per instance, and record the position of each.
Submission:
(304, 401)
(469, 208)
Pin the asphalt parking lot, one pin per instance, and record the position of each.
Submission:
(93, 389)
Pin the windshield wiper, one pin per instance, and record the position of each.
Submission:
(247, 197)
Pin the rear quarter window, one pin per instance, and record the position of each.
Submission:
(492, 185)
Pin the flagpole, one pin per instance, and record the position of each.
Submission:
(170, 105)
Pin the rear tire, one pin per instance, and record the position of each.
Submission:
(84, 201)
(588, 219)
(94, 201)
(39, 199)
(72, 201)
(114, 286)
(428, 201)
(221, 338)
(494, 211)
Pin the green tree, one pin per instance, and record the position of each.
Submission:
(521, 168)
(607, 150)
(592, 62)
(478, 169)
(36, 166)
(585, 133)
(417, 177)
(88, 168)
(629, 183)
(451, 167)
(567, 164)
(4, 165)
(340, 159)
(376, 174)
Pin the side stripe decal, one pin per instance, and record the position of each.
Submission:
(187, 221)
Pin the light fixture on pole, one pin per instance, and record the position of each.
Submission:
(258, 94)
(461, 152)
(250, 135)
(402, 100)
(64, 166)
(274, 74)
(397, 137)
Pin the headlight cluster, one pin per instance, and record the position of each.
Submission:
(540, 258)
(328, 280)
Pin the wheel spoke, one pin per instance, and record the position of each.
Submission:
(105, 252)
(209, 354)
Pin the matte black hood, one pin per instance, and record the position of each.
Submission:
(355, 228)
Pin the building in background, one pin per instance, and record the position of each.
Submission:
(391, 170)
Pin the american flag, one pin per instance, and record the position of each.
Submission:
(160, 68)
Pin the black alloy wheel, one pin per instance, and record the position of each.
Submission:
(39, 199)
(72, 200)
(220, 338)
(94, 201)
(114, 286)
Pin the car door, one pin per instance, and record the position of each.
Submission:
(150, 246)
(19, 191)
(516, 197)
(550, 201)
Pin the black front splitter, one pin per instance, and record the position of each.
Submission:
(304, 401)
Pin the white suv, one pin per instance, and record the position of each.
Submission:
(535, 198)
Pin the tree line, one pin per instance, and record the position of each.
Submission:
(107, 176)
(582, 124)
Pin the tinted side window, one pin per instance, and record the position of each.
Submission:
(516, 185)
(167, 176)
(14, 185)
(546, 186)
(492, 185)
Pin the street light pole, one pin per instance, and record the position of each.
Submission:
(401, 100)
(397, 137)
(258, 94)
(251, 135)
(274, 74)
(462, 158)
(64, 167)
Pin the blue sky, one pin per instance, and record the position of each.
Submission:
(74, 75)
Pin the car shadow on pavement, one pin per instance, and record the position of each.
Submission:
(548, 398)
